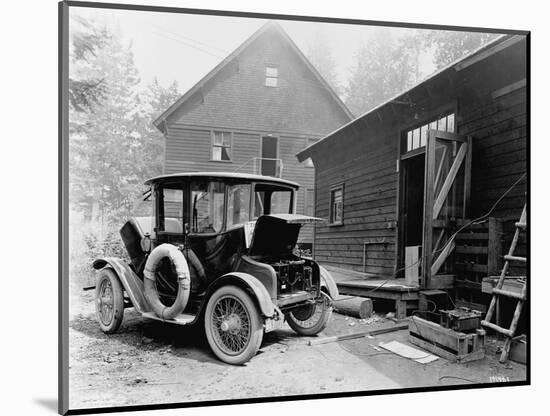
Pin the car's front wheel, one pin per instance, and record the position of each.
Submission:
(310, 319)
(109, 301)
(233, 325)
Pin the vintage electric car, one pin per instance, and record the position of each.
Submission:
(218, 250)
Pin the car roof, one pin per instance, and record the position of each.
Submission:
(223, 175)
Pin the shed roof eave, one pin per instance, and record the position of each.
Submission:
(306, 153)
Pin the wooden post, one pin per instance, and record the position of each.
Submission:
(467, 178)
(428, 209)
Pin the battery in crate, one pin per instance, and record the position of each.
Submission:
(461, 319)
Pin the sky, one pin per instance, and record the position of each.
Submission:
(182, 47)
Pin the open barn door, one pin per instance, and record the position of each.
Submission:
(446, 199)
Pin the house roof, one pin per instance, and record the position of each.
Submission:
(483, 52)
(270, 24)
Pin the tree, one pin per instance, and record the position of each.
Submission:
(86, 40)
(319, 53)
(114, 146)
(450, 46)
(382, 67)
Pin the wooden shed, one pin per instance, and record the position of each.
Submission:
(414, 171)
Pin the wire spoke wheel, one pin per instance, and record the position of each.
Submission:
(109, 301)
(310, 319)
(233, 325)
(105, 302)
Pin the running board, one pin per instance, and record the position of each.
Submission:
(181, 319)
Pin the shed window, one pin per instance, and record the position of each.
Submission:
(336, 209)
(221, 146)
(417, 137)
(271, 76)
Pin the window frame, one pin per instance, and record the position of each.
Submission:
(251, 196)
(159, 208)
(213, 145)
(271, 77)
(224, 208)
(428, 119)
(309, 200)
(333, 189)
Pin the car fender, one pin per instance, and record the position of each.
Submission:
(328, 282)
(261, 294)
(129, 279)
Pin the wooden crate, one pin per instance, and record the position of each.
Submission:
(451, 345)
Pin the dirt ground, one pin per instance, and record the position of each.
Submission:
(148, 362)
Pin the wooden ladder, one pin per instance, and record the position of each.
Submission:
(498, 291)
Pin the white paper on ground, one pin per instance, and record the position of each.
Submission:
(406, 351)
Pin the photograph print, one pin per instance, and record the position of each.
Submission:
(264, 207)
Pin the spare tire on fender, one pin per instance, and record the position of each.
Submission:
(183, 277)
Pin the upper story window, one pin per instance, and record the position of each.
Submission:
(308, 162)
(417, 137)
(271, 76)
(221, 145)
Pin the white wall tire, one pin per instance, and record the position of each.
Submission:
(233, 325)
(109, 302)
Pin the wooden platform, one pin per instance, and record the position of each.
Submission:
(405, 297)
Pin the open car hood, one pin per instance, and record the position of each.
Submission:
(277, 234)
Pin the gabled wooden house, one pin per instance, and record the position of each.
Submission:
(252, 113)
(400, 181)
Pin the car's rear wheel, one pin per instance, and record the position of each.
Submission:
(233, 325)
(310, 319)
(109, 301)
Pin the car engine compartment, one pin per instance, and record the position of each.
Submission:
(294, 275)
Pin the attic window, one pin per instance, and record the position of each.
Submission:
(271, 76)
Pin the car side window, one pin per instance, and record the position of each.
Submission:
(238, 205)
(173, 210)
(207, 199)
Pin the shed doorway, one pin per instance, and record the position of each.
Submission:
(411, 211)
(413, 201)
